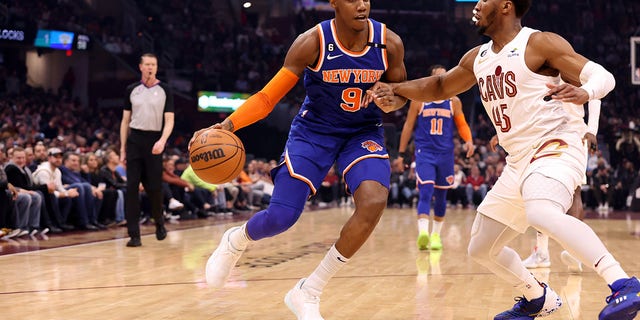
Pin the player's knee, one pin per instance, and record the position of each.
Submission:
(543, 214)
(476, 252)
(372, 202)
(281, 218)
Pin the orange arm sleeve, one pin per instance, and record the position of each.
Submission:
(463, 127)
(259, 105)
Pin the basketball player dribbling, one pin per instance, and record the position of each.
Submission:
(340, 59)
(518, 73)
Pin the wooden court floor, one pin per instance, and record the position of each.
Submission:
(387, 279)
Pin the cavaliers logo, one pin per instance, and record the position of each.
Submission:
(371, 145)
(551, 148)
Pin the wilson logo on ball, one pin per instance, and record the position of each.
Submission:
(208, 155)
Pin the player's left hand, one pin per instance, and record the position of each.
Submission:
(567, 93)
(592, 142)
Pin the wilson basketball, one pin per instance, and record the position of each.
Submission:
(217, 156)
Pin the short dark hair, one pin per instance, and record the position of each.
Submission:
(434, 67)
(522, 6)
(147, 55)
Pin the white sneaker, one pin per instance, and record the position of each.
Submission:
(175, 204)
(572, 263)
(302, 304)
(536, 260)
(222, 261)
(23, 233)
(552, 302)
(13, 233)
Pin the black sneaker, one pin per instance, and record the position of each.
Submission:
(67, 227)
(100, 226)
(54, 229)
(161, 232)
(134, 242)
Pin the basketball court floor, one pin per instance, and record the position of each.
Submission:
(92, 275)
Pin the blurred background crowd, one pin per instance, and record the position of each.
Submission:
(59, 105)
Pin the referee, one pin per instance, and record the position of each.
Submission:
(148, 112)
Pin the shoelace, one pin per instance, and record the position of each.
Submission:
(520, 306)
(612, 296)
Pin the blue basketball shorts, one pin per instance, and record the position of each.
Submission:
(434, 168)
(361, 156)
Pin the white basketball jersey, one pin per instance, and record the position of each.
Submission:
(512, 95)
(576, 117)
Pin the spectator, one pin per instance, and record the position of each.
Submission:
(7, 195)
(90, 172)
(490, 176)
(90, 198)
(49, 173)
(458, 194)
(623, 177)
(628, 147)
(28, 203)
(408, 189)
(17, 213)
(39, 154)
(394, 187)
(181, 191)
(20, 176)
(218, 193)
(114, 181)
(600, 185)
(328, 190)
(476, 187)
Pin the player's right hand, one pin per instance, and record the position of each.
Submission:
(224, 125)
(398, 164)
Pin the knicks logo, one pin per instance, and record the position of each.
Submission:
(371, 145)
(551, 148)
(450, 180)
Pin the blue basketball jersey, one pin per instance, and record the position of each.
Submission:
(434, 127)
(337, 83)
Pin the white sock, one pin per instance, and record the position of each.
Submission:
(609, 269)
(239, 239)
(327, 268)
(542, 244)
(437, 226)
(423, 225)
(531, 288)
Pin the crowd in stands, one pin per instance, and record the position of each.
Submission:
(228, 55)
